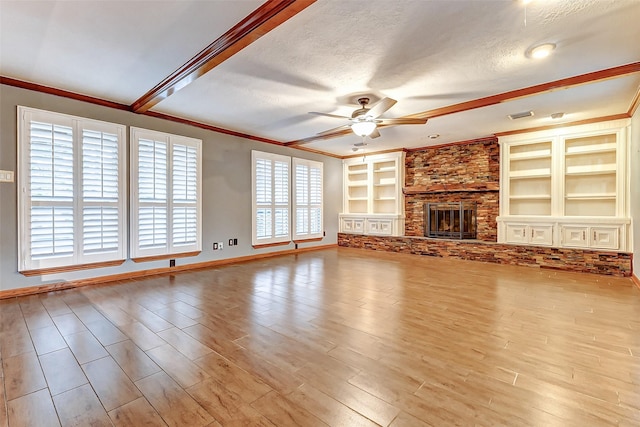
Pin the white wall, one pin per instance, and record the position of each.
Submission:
(226, 187)
(634, 165)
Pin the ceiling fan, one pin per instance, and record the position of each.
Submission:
(364, 121)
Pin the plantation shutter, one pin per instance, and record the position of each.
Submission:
(70, 207)
(271, 198)
(166, 203)
(308, 199)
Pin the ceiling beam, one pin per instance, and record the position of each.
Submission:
(262, 20)
(596, 76)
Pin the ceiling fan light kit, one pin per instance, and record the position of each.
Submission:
(364, 127)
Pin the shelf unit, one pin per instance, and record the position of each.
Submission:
(573, 178)
(530, 178)
(373, 201)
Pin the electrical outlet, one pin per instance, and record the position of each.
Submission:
(215, 246)
(6, 176)
(235, 242)
(220, 245)
(172, 263)
(230, 242)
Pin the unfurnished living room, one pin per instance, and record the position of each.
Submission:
(319, 212)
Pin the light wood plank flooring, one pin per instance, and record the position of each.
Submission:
(339, 337)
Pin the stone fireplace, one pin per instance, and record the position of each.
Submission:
(462, 173)
(453, 220)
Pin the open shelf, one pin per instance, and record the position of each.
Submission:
(528, 174)
(531, 197)
(591, 170)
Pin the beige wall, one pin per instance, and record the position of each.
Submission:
(226, 187)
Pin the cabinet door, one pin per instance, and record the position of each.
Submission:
(352, 225)
(575, 235)
(541, 234)
(516, 233)
(604, 237)
(382, 227)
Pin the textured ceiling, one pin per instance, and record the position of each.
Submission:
(425, 54)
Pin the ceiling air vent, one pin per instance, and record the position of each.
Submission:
(520, 115)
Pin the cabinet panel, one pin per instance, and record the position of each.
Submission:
(604, 237)
(380, 227)
(575, 236)
(352, 225)
(516, 233)
(536, 234)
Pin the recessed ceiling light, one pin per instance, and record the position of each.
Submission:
(541, 51)
(557, 115)
(434, 136)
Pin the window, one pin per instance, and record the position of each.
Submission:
(271, 191)
(274, 210)
(307, 200)
(166, 188)
(72, 198)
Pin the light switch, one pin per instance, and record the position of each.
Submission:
(6, 176)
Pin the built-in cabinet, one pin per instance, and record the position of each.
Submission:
(566, 187)
(373, 201)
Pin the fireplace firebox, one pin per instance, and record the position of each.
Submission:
(453, 220)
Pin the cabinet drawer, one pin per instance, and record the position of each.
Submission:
(575, 236)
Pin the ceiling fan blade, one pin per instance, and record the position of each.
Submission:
(380, 107)
(336, 129)
(374, 134)
(335, 116)
(401, 121)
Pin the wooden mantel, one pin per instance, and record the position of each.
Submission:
(474, 187)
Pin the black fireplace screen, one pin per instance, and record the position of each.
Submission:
(450, 220)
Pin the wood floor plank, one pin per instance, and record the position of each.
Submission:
(81, 407)
(22, 375)
(105, 332)
(174, 405)
(226, 406)
(142, 336)
(62, 371)
(137, 413)
(242, 383)
(47, 339)
(68, 323)
(281, 412)
(133, 361)
(110, 383)
(85, 347)
(32, 410)
(179, 367)
(184, 343)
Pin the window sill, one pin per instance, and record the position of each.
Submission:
(53, 270)
(165, 256)
(269, 245)
(313, 239)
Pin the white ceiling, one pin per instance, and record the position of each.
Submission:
(426, 54)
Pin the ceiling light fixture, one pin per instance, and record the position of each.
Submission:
(521, 115)
(541, 51)
(363, 128)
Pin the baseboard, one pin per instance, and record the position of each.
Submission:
(635, 280)
(32, 290)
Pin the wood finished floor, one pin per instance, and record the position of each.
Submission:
(340, 337)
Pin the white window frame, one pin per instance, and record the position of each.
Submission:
(272, 239)
(309, 205)
(170, 248)
(77, 257)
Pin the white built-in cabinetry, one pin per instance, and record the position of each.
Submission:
(566, 187)
(373, 201)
